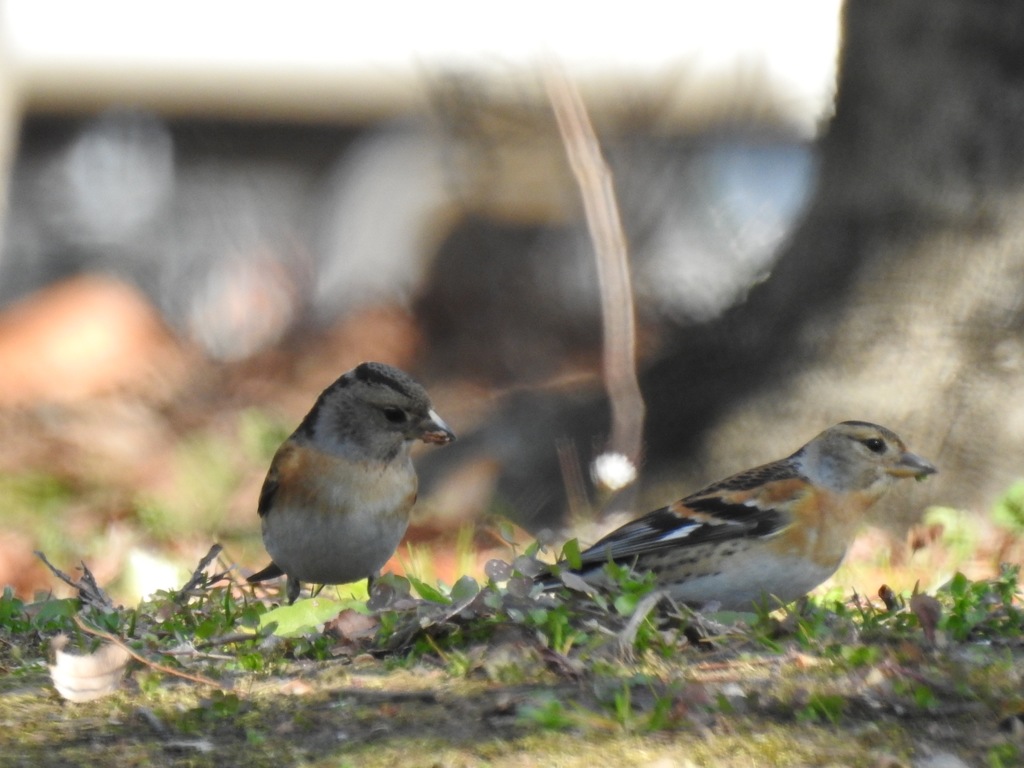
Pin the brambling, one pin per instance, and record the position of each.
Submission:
(336, 500)
(777, 531)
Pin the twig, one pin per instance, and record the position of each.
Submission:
(605, 226)
(643, 609)
(213, 642)
(572, 480)
(89, 592)
(110, 638)
(57, 571)
(198, 575)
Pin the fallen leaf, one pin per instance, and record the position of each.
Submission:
(528, 566)
(928, 612)
(576, 583)
(81, 678)
(352, 625)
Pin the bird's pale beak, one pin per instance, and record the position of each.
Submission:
(912, 465)
(434, 430)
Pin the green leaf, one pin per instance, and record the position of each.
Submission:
(1008, 511)
(507, 532)
(465, 588)
(305, 616)
(547, 712)
(823, 707)
(625, 604)
(53, 614)
(12, 611)
(571, 554)
(428, 592)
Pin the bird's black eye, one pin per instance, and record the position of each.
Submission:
(875, 444)
(395, 415)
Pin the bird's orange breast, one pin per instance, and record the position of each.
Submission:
(324, 484)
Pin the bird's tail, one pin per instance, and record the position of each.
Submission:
(272, 571)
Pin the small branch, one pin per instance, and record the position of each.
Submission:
(572, 480)
(214, 642)
(89, 592)
(57, 571)
(114, 639)
(605, 225)
(199, 574)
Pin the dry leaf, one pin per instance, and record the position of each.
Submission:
(352, 625)
(928, 612)
(888, 597)
(576, 583)
(528, 566)
(90, 676)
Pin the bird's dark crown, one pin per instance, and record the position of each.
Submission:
(385, 375)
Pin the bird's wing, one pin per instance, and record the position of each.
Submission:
(267, 492)
(752, 504)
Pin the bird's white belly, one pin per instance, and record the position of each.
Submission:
(750, 578)
(338, 542)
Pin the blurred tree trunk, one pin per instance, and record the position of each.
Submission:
(897, 299)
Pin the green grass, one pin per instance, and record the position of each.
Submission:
(558, 662)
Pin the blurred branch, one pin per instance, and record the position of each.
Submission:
(89, 629)
(601, 208)
(199, 575)
(89, 592)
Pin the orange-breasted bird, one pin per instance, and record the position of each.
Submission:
(775, 531)
(336, 500)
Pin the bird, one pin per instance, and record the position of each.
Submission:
(336, 500)
(776, 531)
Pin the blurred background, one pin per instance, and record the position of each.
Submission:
(214, 209)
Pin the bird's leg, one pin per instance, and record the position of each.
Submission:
(294, 585)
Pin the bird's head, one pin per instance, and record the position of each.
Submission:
(857, 456)
(373, 412)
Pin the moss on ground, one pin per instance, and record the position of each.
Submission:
(762, 709)
(499, 674)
